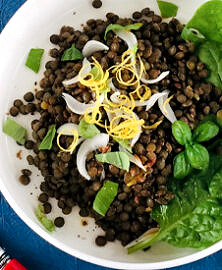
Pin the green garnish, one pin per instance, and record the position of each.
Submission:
(105, 197)
(195, 155)
(47, 223)
(72, 54)
(193, 218)
(113, 27)
(97, 76)
(167, 9)
(208, 42)
(14, 130)
(34, 59)
(87, 130)
(46, 143)
(125, 144)
(119, 159)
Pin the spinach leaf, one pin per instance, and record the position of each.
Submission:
(34, 58)
(119, 159)
(215, 187)
(193, 218)
(46, 143)
(167, 9)
(197, 155)
(72, 54)
(128, 27)
(181, 166)
(181, 132)
(205, 131)
(192, 35)
(87, 130)
(14, 130)
(105, 197)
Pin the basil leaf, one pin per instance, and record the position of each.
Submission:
(119, 159)
(205, 131)
(87, 130)
(34, 58)
(105, 197)
(114, 27)
(125, 144)
(72, 54)
(47, 223)
(46, 143)
(197, 155)
(215, 187)
(14, 130)
(181, 166)
(193, 218)
(181, 132)
(167, 9)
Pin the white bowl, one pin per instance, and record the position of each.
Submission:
(31, 27)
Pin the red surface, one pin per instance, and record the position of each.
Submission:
(14, 265)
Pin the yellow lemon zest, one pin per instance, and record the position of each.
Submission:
(166, 102)
(73, 145)
(155, 125)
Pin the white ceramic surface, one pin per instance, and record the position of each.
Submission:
(31, 27)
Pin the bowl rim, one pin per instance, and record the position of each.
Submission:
(72, 251)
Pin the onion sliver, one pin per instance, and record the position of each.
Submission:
(168, 113)
(136, 138)
(89, 145)
(132, 158)
(85, 63)
(67, 128)
(158, 79)
(93, 46)
(128, 37)
(78, 107)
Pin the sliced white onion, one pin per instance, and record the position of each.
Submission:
(78, 107)
(115, 97)
(89, 145)
(67, 128)
(86, 63)
(103, 175)
(132, 158)
(93, 46)
(136, 138)
(158, 79)
(169, 113)
(128, 37)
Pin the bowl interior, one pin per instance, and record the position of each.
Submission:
(43, 18)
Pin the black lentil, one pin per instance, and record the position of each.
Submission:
(59, 222)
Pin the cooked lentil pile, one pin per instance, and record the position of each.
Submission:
(161, 49)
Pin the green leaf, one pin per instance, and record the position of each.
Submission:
(114, 27)
(125, 144)
(14, 130)
(72, 54)
(167, 9)
(34, 58)
(219, 118)
(47, 223)
(105, 197)
(87, 130)
(193, 36)
(210, 53)
(119, 159)
(181, 132)
(215, 187)
(193, 219)
(197, 155)
(96, 73)
(181, 166)
(205, 131)
(46, 143)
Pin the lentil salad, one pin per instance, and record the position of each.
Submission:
(160, 49)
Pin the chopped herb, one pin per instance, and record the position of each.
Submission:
(47, 223)
(14, 130)
(119, 159)
(72, 54)
(46, 143)
(128, 27)
(87, 130)
(125, 144)
(34, 59)
(105, 197)
(167, 9)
